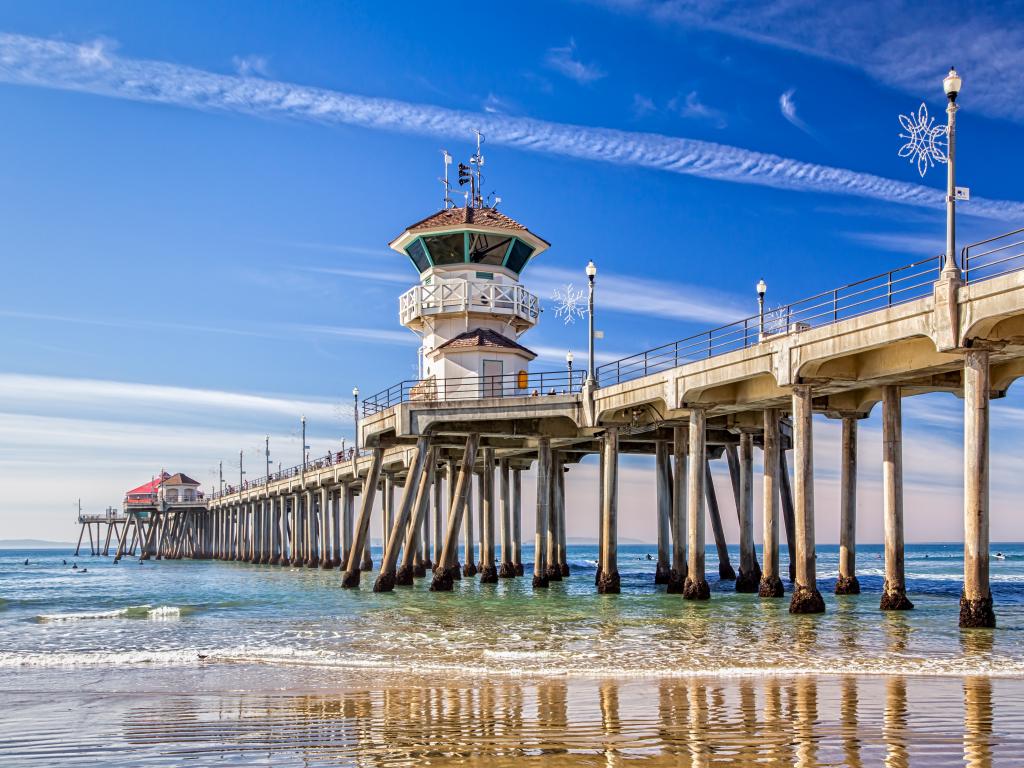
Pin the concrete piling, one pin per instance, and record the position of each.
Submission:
(696, 586)
(443, 577)
(680, 479)
(388, 577)
(976, 601)
(806, 598)
(608, 576)
(771, 583)
(749, 577)
(506, 569)
(663, 496)
(540, 543)
(725, 569)
(894, 590)
(847, 583)
(350, 580)
(489, 569)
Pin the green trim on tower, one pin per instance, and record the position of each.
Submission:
(465, 247)
(508, 250)
(426, 251)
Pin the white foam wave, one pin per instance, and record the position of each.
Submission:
(160, 613)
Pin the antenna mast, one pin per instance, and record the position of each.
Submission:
(447, 201)
(478, 161)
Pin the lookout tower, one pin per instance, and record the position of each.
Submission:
(469, 308)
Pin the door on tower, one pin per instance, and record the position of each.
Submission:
(490, 384)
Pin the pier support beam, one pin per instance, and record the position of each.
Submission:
(725, 570)
(894, 590)
(443, 576)
(663, 487)
(608, 577)
(488, 570)
(559, 488)
(312, 558)
(554, 570)
(786, 494)
(749, 577)
(426, 563)
(976, 602)
(680, 477)
(847, 583)
(517, 521)
(348, 509)
(469, 545)
(284, 558)
(362, 532)
(806, 597)
(439, 497)
(298, 531)
(507, 569)
(771, 583)
(326, 518)
(336, 503)
(420, 503)
(696, 586)
(540, 540)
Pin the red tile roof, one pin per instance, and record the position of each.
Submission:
(180, 479)
(484, 338)
(481, 217)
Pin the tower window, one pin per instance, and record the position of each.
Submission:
(447, 249)
(418, 255)
(518, 256)
(487, 248)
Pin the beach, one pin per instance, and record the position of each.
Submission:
(169, 661)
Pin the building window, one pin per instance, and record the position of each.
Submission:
(447, 249)
(484, 275)
(487, 249)
(418, 254)
(518, 256)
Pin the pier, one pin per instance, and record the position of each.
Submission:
(457, 439)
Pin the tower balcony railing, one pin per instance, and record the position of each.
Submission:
(456, 296)
(476, 388)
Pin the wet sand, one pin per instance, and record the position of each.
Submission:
(288, 715)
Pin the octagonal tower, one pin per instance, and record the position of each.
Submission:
(469, 308)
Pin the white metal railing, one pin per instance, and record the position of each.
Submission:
(450, 296)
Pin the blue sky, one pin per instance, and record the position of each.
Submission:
(197, 200)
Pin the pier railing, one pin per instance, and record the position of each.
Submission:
(447, 296)
(476, 388)
(329, 460)
(887, 289)
(993, 257)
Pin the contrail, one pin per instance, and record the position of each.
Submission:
(91, 68)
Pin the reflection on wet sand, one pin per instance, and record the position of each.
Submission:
(805, 721)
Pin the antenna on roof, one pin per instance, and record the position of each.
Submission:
(478, 161)
(447, 201)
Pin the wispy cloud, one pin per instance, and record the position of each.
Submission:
(690, 106)
(36, 394)
(405, 338)
(919, 245)
(563, 60)
(787, 105)
(893, 42)
(642, 105)
(55, 64)
(375, 275)
(640, 296)
(251, 66)
(130, 323)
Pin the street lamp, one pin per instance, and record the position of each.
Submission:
(591, 274)
(762, 288)
(355, 416)
(304, 446)
(568, 362)
(951, 85)
(266, 453)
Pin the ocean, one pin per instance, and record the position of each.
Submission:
(175, 662)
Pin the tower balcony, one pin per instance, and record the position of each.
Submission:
(462, 296)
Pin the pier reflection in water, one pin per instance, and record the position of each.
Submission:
(803, 721)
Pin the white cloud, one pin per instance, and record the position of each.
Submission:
(690, 106)
(641, 296)
(563, 60)
(53, 64)
(892, 42)
(787, 105)
(642, 105)
(917, 245)
(250, 66)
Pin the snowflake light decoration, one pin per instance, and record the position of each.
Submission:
(925, 140)
(569, 304)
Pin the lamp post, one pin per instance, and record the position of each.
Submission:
(591, 274)
(762, 289)
(568, 362)
(304, 446)
(241, 472)
(355, 416)
(266, 453)
(951, 85)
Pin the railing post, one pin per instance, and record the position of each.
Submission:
(835, 304)
(889, 290)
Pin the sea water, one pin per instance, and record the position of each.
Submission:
(157, 661)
